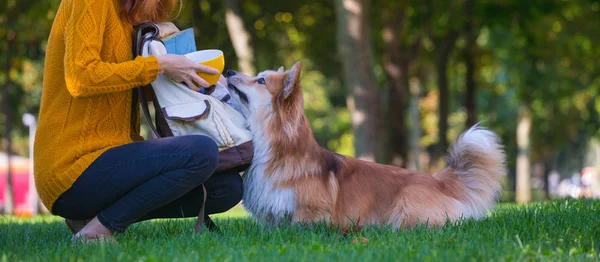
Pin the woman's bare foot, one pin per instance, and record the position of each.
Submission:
(76, 225)
(94, 231)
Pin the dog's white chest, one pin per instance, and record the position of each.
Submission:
(265, 201)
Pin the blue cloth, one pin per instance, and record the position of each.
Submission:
(182, 43)
(158, 178)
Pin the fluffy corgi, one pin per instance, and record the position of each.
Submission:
(294, 179)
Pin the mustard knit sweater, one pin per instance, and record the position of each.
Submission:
(86, 105)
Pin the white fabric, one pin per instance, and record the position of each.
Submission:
(220, 122)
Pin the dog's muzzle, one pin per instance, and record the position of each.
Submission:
(243, 97)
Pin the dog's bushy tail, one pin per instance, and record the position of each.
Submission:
(477, 160)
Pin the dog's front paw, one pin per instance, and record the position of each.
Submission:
(276, 221)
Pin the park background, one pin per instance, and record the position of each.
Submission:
(392, 81)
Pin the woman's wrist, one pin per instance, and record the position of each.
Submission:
(161, 65)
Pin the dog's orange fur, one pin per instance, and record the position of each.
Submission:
(343, 190)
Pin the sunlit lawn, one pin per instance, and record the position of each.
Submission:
(559, 230)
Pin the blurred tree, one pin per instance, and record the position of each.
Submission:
(401, 45)
(6, 111)
(443, 31)
(354, 43)
(523, 186)
(503, 57)
(541, 51)
(286, 32)
(25, 26)
(240, 38)
(470, 33)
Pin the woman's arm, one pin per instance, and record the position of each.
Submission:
(86, 74)
(164, 29)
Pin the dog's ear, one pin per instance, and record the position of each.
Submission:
(292, 80)
(280, 70)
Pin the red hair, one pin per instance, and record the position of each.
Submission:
(155, 11)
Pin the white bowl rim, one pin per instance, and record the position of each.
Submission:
(204, 55)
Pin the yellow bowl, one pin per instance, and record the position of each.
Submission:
(210, 57)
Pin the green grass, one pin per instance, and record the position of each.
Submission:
(556, 231)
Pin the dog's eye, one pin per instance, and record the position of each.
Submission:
(261, 81)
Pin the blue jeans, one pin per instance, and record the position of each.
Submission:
(159, 178)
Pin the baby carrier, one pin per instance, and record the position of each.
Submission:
(180, 111)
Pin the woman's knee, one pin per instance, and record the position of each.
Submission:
(205, 154)
(198, 144)
(206, 149)
(196, 153)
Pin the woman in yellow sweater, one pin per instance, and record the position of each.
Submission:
(91, 165)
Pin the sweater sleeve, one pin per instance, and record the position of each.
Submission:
(85, 73)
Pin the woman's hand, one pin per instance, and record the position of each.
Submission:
(166, 29)
(181, 69)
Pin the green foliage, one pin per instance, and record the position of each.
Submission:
(544, 55)
(287, 32)
(562, 230)
(25, 25)
(542, 52)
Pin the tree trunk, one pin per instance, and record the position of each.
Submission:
(240, 38)
(443, 103)
(547, 170)
(397, 107)
(415, 124)
(396, 67)
(7, 140)
(469, 56)
(523, 187)
(444, 48)
(354, 48)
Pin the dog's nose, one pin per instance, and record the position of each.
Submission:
(229, 73)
